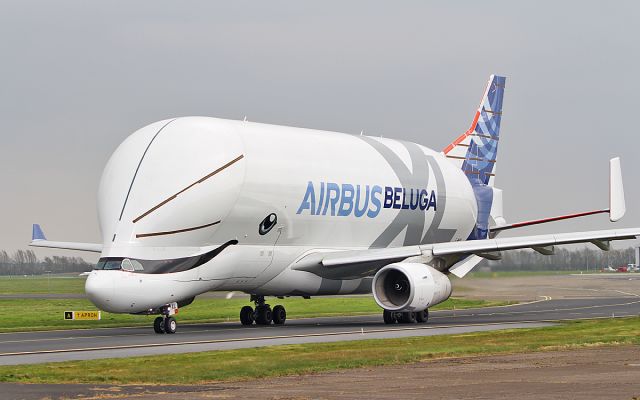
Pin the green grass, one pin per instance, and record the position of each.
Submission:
(46, 314)
(55, 284)
(196, 368)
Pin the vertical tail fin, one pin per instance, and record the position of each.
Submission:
(36, 233)
(475, 151)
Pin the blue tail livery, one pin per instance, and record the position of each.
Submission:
(476, 151)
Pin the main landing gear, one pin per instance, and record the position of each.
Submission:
(166, 323)
(263, 314)
(405, 317)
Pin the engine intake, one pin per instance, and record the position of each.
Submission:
(410, 287)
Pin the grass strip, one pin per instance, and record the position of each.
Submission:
(47, 314)
(230, 365)
(55, 284)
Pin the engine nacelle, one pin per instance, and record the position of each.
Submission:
(410, 287)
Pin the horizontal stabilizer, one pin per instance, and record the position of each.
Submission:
(616, 210)
(38, 239)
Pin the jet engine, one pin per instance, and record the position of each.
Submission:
(410, 287)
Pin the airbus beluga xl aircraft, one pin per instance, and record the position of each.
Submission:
(194, 204)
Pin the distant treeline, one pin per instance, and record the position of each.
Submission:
(25, 262)
(563, 259)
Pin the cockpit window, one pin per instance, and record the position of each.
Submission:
(109, 263)
(126, 265)
(159, 266)
(137, 266)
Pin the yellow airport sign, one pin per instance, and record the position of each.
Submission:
(82, 315)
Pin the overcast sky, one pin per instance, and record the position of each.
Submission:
(78, 77)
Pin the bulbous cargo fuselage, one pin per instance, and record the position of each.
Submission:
(195, 204)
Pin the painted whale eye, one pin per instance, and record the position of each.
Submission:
(267, 224)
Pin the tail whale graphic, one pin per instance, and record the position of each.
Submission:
(476, 151)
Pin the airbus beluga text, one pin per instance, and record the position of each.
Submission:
(194, 204)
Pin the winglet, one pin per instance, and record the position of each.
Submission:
(37, 233)
(617, 207)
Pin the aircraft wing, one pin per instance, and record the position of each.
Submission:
(359, 263)
(39, 240)
(479, 247)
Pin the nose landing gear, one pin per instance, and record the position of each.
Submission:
(158, 325)
(166, 323)
(263, 314)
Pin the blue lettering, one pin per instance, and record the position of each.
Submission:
(424, 199)
(320, 198)
(412, 204)
(347, 199)
(335, 189)
(405, 205)
(372, 213)
(396, 197)
(357, 211)
(432, 201)
(346, 205)
(309, 201)
(388, 197)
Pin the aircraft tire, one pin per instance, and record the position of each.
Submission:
(158, 325)
(408, 317)
(422, 316)
(263, 315)
(279, 315)
(389, 317)
(246, 315)
(170, 325)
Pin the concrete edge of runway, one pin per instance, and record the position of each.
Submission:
(249, 342)
(187, 323)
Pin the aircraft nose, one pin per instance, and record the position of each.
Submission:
(100, 287)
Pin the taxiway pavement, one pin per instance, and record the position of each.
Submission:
(63, 345)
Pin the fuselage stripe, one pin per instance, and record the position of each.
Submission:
(142, 235)
(204, 178)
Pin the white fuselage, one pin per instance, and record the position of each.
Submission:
(180, 188)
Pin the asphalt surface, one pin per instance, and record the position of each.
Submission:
(63, 345)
